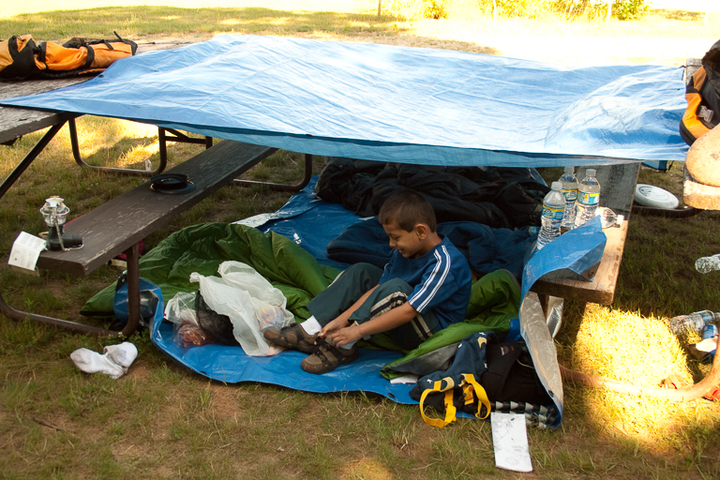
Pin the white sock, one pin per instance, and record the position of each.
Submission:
(311, 326)
(348, 345)
(123, 354)
(92, 362)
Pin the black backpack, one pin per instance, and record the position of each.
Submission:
(484, 372)
(511, 376)
(703, 96)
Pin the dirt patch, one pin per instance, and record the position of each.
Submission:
(140, 370)
(224, 400)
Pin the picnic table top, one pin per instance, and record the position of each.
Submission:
(16, 122)
(618, 183)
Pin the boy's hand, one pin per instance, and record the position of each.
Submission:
(333, 326)
(345, 335)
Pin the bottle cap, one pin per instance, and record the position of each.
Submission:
(569, 169)
(556, 185)
(590, 172)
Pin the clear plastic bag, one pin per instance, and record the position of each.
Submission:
(181, 308)
(251, 302)
(180, 311)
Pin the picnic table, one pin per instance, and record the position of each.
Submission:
(117, 226)
(618, 188)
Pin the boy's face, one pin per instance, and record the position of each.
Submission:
(409, 244)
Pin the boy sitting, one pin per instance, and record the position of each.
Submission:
(424, 287)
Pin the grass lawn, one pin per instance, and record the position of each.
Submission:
(162, 421)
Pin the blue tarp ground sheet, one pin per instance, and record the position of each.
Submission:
(313, 223)
(390, 103)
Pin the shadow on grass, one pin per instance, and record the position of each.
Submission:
(138, 23)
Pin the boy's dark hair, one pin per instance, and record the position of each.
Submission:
(407, 208)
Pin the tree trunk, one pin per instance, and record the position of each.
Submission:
(609, 11)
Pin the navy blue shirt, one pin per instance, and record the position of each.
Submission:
(441, 280)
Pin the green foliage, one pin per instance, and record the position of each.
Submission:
(569, 9)
(591, 9)
(435, 9)
(413, 9)
(524, 8)
(629, 9)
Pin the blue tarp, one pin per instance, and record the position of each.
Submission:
(313, 223)
(389, 103)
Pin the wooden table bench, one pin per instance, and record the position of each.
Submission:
(118, 225)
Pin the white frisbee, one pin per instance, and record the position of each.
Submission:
(652, 196)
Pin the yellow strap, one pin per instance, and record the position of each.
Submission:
(468, 393)
(449, 407)
(450, 410)
(481, 395)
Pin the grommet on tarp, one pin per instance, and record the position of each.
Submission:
(171, 184)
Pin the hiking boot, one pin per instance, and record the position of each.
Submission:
(293, 336)
(327, 358)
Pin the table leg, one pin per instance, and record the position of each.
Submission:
(280, 187)
(126, 171)
(18, 315)
(133, 283)
(133, 279)
(29, 158)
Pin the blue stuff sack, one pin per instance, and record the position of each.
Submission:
(151, 301)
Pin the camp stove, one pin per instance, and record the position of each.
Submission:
(55, 214)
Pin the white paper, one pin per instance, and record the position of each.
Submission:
(409, 378)
(258, 220)
(25, 252)
(510, 442)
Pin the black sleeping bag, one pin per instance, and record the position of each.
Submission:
(486, 249)
(497, 197)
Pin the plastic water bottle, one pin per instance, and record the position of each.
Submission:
(570, 190)
(710, 331)
(696, 321)
(708, 264)
(588, 198)
(552, 215)
(705, 349)
(709, 342)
